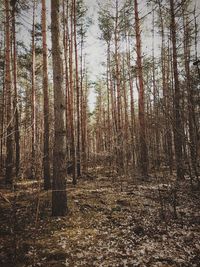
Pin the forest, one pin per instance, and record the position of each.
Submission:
(99, 133)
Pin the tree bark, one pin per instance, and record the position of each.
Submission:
(142, 127)
(9, 134)
(15, 100)
(78, 151)
(33, 96)
(46, 162)
(59, 195)
(178, 139)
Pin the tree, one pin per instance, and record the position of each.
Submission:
(33, 98)
(15, 101)
(78, 151)
(178, 142)
(46, 163)
(59, 195)
(142, 127)
(9, 126)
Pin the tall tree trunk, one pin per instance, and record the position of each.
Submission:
(167, 138)
(155, 99)
(78, 152)
(15, 100)
(46, 163)
(118, 91)
(142, 127)
(190, 95)
(3, 109)
(59, 195)
(83, 122)
(73, 148)
(132, 108)
(178, 139)
(9, 134)
(33, 100)
(66, 56)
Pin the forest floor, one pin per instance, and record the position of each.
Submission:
(112, 221)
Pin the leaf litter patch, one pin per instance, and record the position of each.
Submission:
(106, 226)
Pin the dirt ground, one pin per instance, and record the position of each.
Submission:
(112, 221)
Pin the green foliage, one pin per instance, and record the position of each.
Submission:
(106, 25)
(83, 22)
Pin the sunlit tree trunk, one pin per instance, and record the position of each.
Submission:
(132, 108)
(71, 100)
(59, 195)
(190, 94)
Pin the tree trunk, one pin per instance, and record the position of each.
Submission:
(78, 152)
(190, 95)
(178, 139)
(15, 100)
(142, 127)
(59, 195)
(46, 163)
(73, 148)
(9, 134)
(33, 95)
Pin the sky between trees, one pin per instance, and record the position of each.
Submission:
(95, 49)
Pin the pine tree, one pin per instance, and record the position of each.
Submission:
(59, 196)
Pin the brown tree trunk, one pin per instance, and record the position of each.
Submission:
(33, 96)
(178, 139)
(73, 148)
(142, 127)
(66, 57)
(46, 163)
(167, 138)
(9, 134)
(59, 195)
(2, 120)
(118, 91)
(15, 100)
(78, 152)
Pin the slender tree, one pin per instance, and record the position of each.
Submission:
(46, 161)
(15, 100)
(178, 138)
(78, 151)
(59, 195)
(33, 98)
(71, 94)
(9, 126)
(142, 127)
